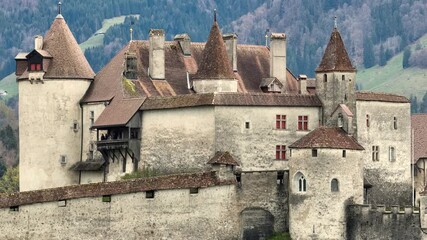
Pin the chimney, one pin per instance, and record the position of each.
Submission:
(184, 41)
(302, 80)
(38, 42)
(230, 41)
(278, 57)
(157, 54)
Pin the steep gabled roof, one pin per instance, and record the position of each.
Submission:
(215, 64)
(223, 158)
(335, 57)
(327, 137)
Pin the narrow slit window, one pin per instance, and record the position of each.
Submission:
(335, 185)
(395, 123)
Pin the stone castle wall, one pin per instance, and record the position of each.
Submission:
(391, 179)
(381, 223)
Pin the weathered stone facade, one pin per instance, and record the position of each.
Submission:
(386, 125)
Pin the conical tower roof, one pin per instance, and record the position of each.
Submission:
(335, 57)
(68, 60)
(215, 64)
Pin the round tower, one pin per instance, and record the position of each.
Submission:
(325, 175)
(57, 76)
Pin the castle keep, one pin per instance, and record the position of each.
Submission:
(245, 148)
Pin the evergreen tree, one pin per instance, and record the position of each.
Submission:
(10, 181)
(406, 56)
(414, 104)
(423, 106)
(368, 53)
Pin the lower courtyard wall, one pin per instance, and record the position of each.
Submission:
(171, 214)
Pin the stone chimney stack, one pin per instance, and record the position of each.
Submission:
(157, 54)
(38, 42)
(302, 80)
(230, 41)
(278, 57)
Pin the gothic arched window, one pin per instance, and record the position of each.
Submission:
(300, 182)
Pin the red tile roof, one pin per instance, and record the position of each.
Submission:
(215, 63)
(231, 99)
(223, 158)
(327, 137)
(380, 97)
(335, 57)
(68, 60)
(181, 181)
(252, 62)
(419, 127)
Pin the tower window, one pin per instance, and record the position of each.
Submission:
(280, 152)
(375, 153)
(300, 182)
(367, 120)
(343, 77)
(314, 152)
(280, 121)
(392, 154)
(247, 125)
(325, 78)
(344, 153)
(395, 123)
(335, 185)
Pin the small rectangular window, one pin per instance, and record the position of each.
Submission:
(247, 125)
(280, 121)
(38, 67)
(63, 159)
(367, 120)
(375, 153)
(106, 198)
(344, 153)
(395, 123)
(149, 194)
(62, 203)
(14, 208)
(392, 154)
(314, 152)
(32, 67)
(302, 122)
(280, 152)
(194, 190)
(92, 118)
(239, 179)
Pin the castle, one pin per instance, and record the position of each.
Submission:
(246, 147)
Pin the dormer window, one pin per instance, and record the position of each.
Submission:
(271, 85)
(131, 66)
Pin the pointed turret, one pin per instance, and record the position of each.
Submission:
(68, 60)
(215, 73)
(335, 57)
(335, 79)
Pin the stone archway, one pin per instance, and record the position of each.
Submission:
(256, 224)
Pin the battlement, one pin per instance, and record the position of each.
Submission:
(383, 222)
(367, 209)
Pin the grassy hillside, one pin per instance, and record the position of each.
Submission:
(393, 78)
(9, 85)
(97, 39)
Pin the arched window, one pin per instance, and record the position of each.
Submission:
(325, 78)
(335, 185)
(395, 122)
(300, 182)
